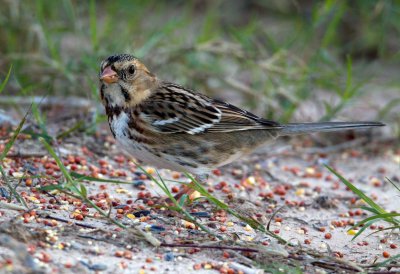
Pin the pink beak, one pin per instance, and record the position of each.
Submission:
(109, 76)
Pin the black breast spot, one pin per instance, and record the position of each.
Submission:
(125, 93)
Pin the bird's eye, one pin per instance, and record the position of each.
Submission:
(131, 69)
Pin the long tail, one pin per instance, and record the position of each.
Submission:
(299, 128)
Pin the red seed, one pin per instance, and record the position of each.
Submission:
(102, 162)
(149, 260)
(119, 253)
(128, 255)
(386, 254)
(217, 172)
(45, 257)
(28, 182)
(175, 189)
(393, 246)
(328, 236)
(222, 228)
(150, 203)
(280, 190)
(307, 241)
(79, 217)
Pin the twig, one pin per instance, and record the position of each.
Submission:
(12, 206)
(25, 155)
(48, 216)
(236, 248)
(245, 269)
(146, 235)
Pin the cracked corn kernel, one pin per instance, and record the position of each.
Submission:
(187, 224)
(150, 170)
(248, 228)
(352, 232)
(251, 180)
(33, 200)
(300, 192)
(131, 216)
(121, 190)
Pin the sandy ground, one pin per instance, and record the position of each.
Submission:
(312, 203)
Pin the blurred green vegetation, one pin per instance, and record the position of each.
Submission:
(272, 54)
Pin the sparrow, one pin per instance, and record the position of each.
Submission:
(169, 126)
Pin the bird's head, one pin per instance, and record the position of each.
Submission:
(125, 81)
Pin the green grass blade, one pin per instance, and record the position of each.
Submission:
(81, 177)
(357, 191)
(361, 230)
(93, 24)
(73, 186)
(384, 229)
(50, 188)
(11, 142)
(4, 83)
(370, 209)
(63, 169)
(251, 222)
(385, 262)
(393, 184)
(7, 148)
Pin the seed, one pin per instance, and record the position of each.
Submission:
(149, 260)
(386, 254)
(328, 236)
(175, 189)
(119, 253)
(128, 255)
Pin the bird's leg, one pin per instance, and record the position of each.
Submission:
(189, 188)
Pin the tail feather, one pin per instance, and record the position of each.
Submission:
(300, 128)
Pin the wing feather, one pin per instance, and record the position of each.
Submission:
(174, 109)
